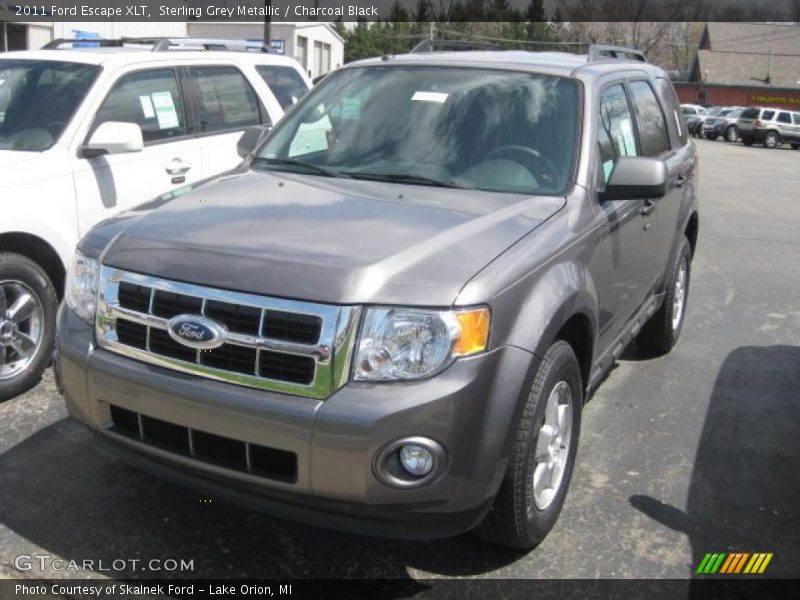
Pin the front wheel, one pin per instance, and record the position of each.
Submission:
(732, 134)
(27, 323)
(545, 443)
(661, 332)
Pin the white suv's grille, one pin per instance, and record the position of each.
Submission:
(286, 346)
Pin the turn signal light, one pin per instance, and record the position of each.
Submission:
(473, 331)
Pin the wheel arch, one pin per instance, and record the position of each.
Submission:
(39, 251)
(692, 230)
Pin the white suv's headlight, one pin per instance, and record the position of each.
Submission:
(405, 343)
(83, 278)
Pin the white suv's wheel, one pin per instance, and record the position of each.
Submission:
(772, 139)
(27, 323)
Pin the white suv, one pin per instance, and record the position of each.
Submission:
(88, 132)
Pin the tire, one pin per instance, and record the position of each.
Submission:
(711, 136)
(661, 332)
(747, 141)
(521, 518)
(732, 134)
(26, 339)
(795, 146)
(772, 139)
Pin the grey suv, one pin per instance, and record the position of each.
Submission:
(388, 319)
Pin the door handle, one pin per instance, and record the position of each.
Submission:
(680, 180)
(177, 167)
(648, 207)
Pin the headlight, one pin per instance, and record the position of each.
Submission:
(404, 343)
(82, 280)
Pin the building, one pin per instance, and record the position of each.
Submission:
(314, 44)
(746, 64)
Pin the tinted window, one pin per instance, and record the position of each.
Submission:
(38, 99)
(750, 113)
(151, 100)
(674, 117)
(284, 82)
(784, 118)
(688, 111)
(223, 99)
(461, 127)
(767, 115)
(652, 130)
(796, 117)
(615, 136)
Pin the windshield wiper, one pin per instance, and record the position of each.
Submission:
(402, 178)
(292, 162)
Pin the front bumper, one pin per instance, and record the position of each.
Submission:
(470, 409)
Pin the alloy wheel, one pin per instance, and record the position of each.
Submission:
(552, 446)
(21, 327)
(679, 297)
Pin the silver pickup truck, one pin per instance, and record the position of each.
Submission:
(388, 318)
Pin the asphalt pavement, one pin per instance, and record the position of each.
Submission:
(694, 452)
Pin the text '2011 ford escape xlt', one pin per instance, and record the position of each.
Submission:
(388, 318)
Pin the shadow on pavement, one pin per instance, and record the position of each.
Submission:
(62, 494)
(745, 485)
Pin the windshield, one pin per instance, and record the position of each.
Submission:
(38, 99)
(451, 127)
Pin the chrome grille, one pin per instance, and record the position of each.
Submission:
(286, 346)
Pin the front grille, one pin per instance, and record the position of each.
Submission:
(287, 346)
(264, 461)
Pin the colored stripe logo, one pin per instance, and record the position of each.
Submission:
(734, 563)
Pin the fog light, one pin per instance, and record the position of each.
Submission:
(418, 461)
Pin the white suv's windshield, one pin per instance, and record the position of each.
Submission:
(451, 127)
(38, 99)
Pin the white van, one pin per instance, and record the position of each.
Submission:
(86, 132)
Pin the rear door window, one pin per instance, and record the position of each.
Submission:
(285, 83)
(768, 115)
(796, 118)
(223, 99)
(650, 119)
(674, 117)
(615, 136)
(784, 117)
(151, 100)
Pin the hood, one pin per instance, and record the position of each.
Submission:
(326, 240)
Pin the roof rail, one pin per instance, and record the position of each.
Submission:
(598, 52)
(452, 46)
(162, 44)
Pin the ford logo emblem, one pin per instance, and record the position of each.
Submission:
(197, 332)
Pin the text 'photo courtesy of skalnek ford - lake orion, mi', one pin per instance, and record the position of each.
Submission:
(460, 299)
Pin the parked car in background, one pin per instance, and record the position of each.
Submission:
(393, 328)
(694, 115)
(769, 126)
(723, 124)
(87, 132)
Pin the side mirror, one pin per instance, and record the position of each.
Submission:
(635, 178)
(250, 139)
(114, 137)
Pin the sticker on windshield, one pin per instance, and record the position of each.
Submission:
(147, 107)
(430, 97)
(165, 110)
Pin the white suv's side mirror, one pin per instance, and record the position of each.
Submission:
(114, 137)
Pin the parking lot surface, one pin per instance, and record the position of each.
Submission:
(681, 455)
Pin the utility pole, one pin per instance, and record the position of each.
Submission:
(267, 24)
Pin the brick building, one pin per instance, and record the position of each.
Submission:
(746, 64)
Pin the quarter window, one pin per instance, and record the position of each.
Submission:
(151, 100)
(615, 135)
(652, 129)
(223, 99)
